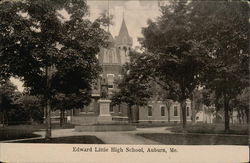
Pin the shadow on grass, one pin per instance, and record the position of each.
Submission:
(193, 139)
(67, 140)
(13, 132)
(212, 129)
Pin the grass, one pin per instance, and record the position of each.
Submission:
(67, 140)
(212, 129)
(146, 125)
(195, 139)
(13, 132)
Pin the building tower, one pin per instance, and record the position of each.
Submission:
(111, 59)
(123, 43)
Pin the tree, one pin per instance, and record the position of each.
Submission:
(197, 103)
(9, 94)
(32, 106)
(223, 28)
(133, 89)
(241, 104)
(65, 102)
(200, 43)
(50, 53)
(177, 61)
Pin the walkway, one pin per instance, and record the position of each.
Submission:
(117, 137)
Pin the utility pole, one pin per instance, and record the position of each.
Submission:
(108, 16)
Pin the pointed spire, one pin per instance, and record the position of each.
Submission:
(123, 30)
(123, 37)
(123, 13)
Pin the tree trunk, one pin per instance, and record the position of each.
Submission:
(137, 114)
(247, 115)
(168, 114)
(48, 104)
(192, 109)
(231, 117)
(3, 118)
(183, 112)
(48, 120)
(64, 117)
(226, 114)
(30, 116)
(61, 117)
(238, 115)
(129, 113)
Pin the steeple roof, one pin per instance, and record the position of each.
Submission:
(123, 38)
(111, 40)
(123, 30)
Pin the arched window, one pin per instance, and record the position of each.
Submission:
(187, 111)
(162, 110)
(149, 111)
(110, 78)
(175, 111)
(114, 56)
(105, 56)
(110, 56)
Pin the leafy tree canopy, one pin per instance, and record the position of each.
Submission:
(133, 88)
(199, 43)
(35, 34)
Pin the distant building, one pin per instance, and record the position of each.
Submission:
(160, 111)
(205, 115)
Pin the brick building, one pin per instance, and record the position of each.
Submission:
(112, 59)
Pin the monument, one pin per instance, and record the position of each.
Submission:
(104, 104)
(104, 120)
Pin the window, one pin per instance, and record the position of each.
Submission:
(111, 80)
(114, 57)
(187, 111)
(110, 56)
(175, 111)
(119, 109)
(105, 56)
(162, 111)
(149, 110)
(111, 109)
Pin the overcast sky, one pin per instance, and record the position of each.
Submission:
(136, 14)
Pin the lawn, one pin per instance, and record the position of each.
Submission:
(212, 129)
(67, 140)
(13, 132)
(196, 139)
(146, 125)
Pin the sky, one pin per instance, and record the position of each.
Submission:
(136, 14)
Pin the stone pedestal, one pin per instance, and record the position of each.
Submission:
(104, 116)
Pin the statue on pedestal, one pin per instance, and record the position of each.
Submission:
(104, 89)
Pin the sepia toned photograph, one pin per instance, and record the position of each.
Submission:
(124, 72)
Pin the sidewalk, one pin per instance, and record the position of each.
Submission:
(118, 137)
